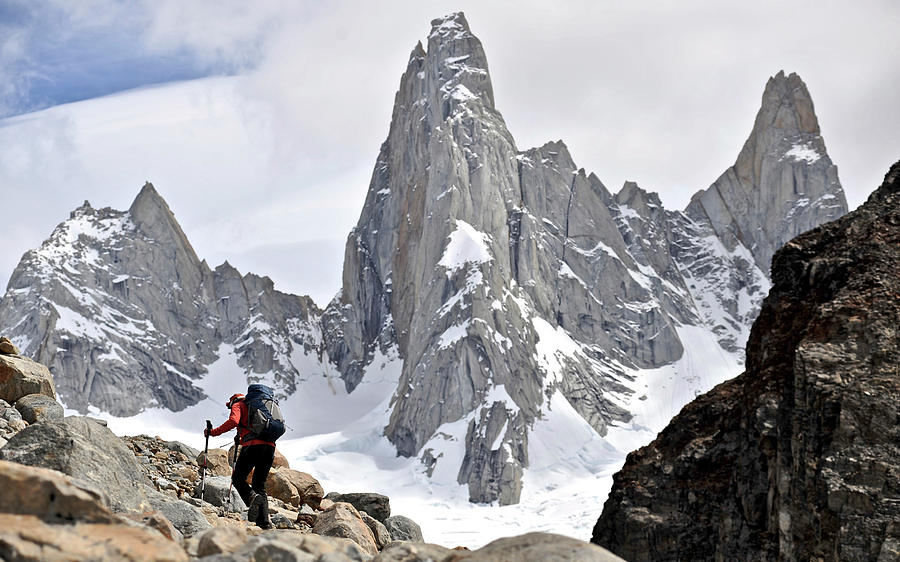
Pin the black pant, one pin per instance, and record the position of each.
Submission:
(258, 458)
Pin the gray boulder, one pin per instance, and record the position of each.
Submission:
(275, 551)
(217, 491)
(20, 376)
(376, 505)
(86, 451)
(403, 529)
(39, 407)
(180, 447)
(188, 519)
(294, 546)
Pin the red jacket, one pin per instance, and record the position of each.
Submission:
(238, 419)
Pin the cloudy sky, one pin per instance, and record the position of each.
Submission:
(259, 122)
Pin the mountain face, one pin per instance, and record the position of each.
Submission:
(502, 279)
(506, 276)
(797, 458)
(127, 317)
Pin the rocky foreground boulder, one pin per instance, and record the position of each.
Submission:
(86, 450)
(799, 457)
(20, 376)
(46, 515)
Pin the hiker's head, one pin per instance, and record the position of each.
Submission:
(234, 398)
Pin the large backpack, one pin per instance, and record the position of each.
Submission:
(264, 419)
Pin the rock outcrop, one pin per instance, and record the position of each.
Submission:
(85, 450)
(796, 459)
(20, 376)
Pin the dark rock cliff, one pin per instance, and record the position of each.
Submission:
(799, 457)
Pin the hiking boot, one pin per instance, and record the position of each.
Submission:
(256, 501)
(262, 519)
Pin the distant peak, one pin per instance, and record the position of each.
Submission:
(152, 214)
(787, 104)
(225, 268)
(148, 197)
(635, 196)
(418, 52)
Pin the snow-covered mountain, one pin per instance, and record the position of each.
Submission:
(509, 303)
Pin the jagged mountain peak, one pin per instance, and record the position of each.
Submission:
(418, 52)
(788, 104)
(501, 277)
(637, 198)
(453, 25)
(119, 306)
(152, 215)
(783, 181)
(84, 208)
(456, 66)
(148, 201)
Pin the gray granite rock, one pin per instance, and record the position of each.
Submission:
(88, 452)
(39, 407)
(219, 491)
(187, 518)
(376, 505)
(403, 529)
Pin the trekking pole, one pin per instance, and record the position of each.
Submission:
(205, 460)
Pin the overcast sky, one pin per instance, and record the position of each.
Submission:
(259, 122)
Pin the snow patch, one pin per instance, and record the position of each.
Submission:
(802, 152)
(453, 334)
(466, 246)
(554, 345)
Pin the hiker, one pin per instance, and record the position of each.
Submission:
(257, 448)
